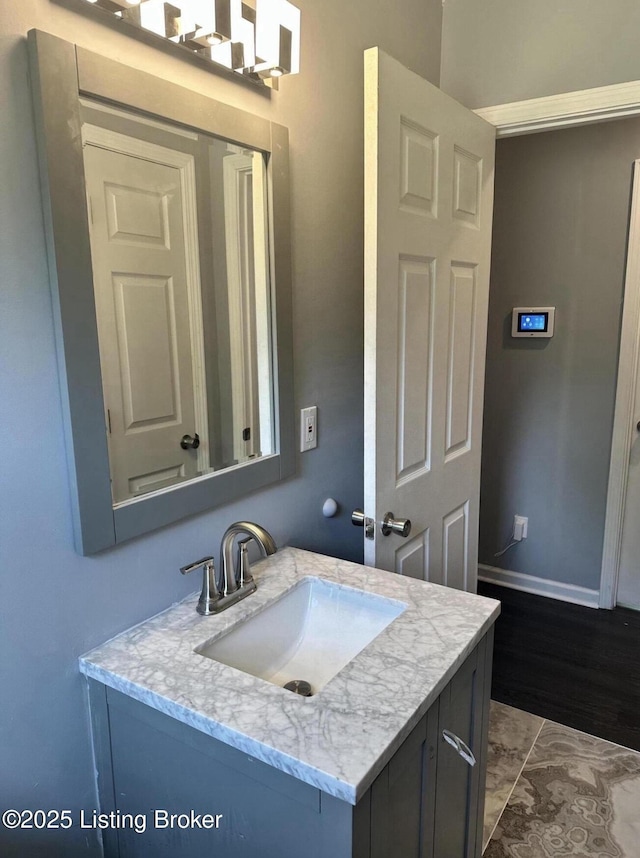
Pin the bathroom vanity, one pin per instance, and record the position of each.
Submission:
(386, 760)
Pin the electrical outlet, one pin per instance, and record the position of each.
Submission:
(520, 527)
(308, 428)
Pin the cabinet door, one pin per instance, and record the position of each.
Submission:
(156, 764)
(403, 796)
(429, 802)
(460, 785)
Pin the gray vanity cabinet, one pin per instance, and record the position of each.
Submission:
(429, 801)
(426, 803)
(403, 796)
(464, 711)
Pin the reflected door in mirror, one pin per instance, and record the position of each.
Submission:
(143, 261)
(180, 256)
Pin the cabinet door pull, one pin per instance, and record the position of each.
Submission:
(461, 747)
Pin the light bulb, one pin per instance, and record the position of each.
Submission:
(277, 38)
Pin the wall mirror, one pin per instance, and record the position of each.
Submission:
(168, 234)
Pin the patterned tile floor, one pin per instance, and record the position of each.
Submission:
(554, 792)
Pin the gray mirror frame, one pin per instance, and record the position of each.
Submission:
(62, 73)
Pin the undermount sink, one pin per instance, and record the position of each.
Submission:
(310, 633)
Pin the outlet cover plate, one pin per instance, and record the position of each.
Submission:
(308, 428)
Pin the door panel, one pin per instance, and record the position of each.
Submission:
(428, 213)
(137, 215)
(141, 272)
(467, 185)
(418, 169)
(412, 556)
(145, 312)
(461, 354)
(415, 339)
(455, 538)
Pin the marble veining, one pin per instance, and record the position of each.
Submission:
(577, 796)
(338, 740)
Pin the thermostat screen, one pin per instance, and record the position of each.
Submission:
(532, 322)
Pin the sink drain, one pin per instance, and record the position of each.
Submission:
(299, 686)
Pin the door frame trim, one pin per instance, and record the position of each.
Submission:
(235, 170)
(573, 109)
(624, 408)
(580, 107)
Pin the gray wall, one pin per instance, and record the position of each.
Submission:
(560, 230)
(54, 605)
(498, 51)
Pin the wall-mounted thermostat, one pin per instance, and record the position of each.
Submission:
(533, 321)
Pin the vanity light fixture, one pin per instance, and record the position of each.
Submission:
(259, 39)
(207, 23)
(277, 38)
(243, 38)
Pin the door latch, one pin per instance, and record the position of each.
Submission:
(359, 519)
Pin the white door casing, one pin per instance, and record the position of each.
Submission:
(429, 166)
(621, 555)
(144, 249)
(628, 594)
(244, 182)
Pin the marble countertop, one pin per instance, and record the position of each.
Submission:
(338, 740)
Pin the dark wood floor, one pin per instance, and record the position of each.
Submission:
(578, 666)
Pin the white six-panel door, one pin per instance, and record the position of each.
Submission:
(148, 308)
(429, 165)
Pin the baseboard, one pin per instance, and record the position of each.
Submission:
(539, 586)
(628, 606)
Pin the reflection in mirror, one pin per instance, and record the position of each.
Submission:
(195, 329)
(179, 244)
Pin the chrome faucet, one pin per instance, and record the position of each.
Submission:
(231, 583)
(239, 577)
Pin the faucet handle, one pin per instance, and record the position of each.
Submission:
(243, 573)
(190, 567)
(210, 593)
